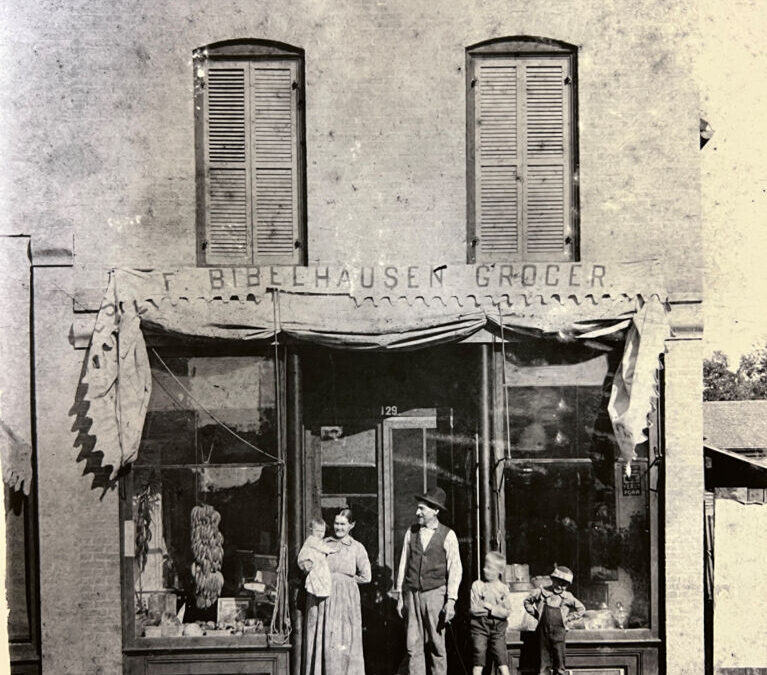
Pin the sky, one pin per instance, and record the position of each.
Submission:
(731, 69)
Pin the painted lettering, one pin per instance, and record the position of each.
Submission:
(574, 272)
(391, 277)
(325, 277)
(435, 278)
(598, 272)
(254, 277)
(483, 279)
(216, 278)
(549, 270)
(274, 276)
(234, 277)
(296, 282)
(367, 284)
(529, 279)
(343, 278)
(505, 273)
(411, 270)
(166, 277)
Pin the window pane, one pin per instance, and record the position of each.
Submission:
(569, 503)
(216, 410)
(245, 499)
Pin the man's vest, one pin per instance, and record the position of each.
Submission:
(426, 569)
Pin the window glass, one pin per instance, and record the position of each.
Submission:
(568, 501)
(204, 500)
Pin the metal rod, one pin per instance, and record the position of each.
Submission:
(296, 526)
(485, 491)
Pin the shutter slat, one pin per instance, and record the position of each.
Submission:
(497, 209)
(497, 111)
(274, 211)
(228, 223)
(545, 111)
(545, 209)
(226, 115)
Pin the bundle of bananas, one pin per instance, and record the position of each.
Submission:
(208, 552)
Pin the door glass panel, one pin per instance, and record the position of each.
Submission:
(414, 470)
(349, 479)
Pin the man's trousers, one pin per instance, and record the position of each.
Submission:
(426, 631)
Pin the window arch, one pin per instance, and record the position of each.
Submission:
(250, 153)
(522, 150)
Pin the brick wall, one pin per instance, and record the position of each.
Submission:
(99, 116)
(684, 508)
(79, 536)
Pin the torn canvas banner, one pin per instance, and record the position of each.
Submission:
(222, 304)
(634, 390)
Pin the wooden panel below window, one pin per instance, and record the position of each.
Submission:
(271, 662)
(605, 659)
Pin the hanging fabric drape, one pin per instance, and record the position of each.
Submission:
(388, 308)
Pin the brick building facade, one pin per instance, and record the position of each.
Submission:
(101, 173)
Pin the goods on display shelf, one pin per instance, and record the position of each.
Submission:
(208, 551)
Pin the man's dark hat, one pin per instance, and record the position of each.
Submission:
(434, 497)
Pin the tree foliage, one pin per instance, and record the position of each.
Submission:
(747, 382)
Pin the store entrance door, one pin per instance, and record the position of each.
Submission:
(381, 429)
(377, 469)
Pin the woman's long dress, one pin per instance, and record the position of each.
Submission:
(333, 637)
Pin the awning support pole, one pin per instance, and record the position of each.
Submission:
(485, 460)
(295, 469)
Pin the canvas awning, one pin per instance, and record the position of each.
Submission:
(385, 307)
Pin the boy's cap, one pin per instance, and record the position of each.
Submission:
(562, 573)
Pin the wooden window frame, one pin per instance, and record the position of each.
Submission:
(510, 48)
(136, 647)
(253, 51)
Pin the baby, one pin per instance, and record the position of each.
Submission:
(313, 558)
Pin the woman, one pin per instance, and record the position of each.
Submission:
(333, 636)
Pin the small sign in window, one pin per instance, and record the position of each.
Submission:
(632, 485)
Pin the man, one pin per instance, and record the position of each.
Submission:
(427, 583)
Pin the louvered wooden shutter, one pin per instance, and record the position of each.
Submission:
(275, 176)
(251, 149)
(228, 236)
(523, 154)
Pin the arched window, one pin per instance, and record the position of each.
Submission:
(249, 102)
(522, 150)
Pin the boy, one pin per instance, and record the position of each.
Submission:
(554, 607)
(490, 607)
(313, 558)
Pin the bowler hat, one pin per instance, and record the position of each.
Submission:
(434, 497)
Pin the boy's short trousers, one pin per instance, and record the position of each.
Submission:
(488, 632)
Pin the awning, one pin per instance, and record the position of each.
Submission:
(385, 307)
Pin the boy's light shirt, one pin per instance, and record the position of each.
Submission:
(495, 593)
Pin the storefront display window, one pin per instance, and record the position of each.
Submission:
(201, 502)
(568, 499)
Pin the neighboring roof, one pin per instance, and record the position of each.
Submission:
(731, 469)
(735, 425)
